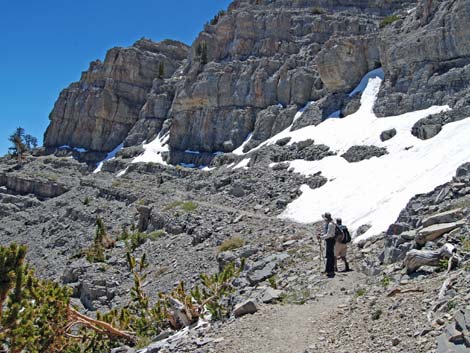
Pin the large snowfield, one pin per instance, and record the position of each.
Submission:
(371, 192)
(374, 191)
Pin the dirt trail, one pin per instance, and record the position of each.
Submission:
(289, 328)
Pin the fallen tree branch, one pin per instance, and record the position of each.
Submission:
(403, 291)
(76, 318)
(414, 259)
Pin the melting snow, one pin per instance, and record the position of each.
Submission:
(239, 150)
(374, 191)
(243, 164)
(108, 157)
(153, 151)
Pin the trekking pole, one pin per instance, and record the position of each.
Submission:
(321, 254)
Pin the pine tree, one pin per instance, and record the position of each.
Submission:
(161, 70)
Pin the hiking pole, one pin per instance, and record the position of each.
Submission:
(321, 254)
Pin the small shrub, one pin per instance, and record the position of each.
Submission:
(443, 265)
(273, 281)
(86, 201)
(318, 11)
(95, 253)
(466, 245)
(385, 281)
(360, 292)
(388, 20)
(298, 297)
(451, 305)
(376, 314)
(231, 244)
(156, 234)
(189, 206)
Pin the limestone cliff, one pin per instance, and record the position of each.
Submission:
(97, 112)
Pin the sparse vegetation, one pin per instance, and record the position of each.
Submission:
(273, 281)
(21, 143)
(376, 314)
(360, 292)
(231, 244)
(296, 297)
(385, 281)
(35, 315)
(216, 18)
(86, 201)
(388, 20)
(201, 52)
(95, 253)
(134, 239)
(188, 206)
(318, 11)
(161, 70)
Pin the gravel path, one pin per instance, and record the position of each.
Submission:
(289, 328)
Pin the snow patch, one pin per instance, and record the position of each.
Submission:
(77, 149)
(239, 151)
(365, 80)
(374, 191)
(122, 172)
(153, 151)
(109, 156)
(243, 164)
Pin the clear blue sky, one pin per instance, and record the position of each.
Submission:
(46, 44)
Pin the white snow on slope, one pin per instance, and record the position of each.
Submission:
(153, 151)
(243, 164)
(109, 156)
(239, 149)
(374, 191)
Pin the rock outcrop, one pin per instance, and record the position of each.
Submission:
(255, 64)
(426, 59)
(97, 112)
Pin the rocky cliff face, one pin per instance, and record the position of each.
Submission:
(253, 67)
(97, 112)
(426, 58)
(263, 65)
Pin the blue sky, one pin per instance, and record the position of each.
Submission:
(46, 44)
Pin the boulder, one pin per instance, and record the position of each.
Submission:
(387, 134)
(247, 307)
(435, 231)
(444, 217)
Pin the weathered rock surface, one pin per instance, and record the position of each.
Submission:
(427, 61)
(97, 112)
(360, 153)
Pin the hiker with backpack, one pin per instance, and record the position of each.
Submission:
(342, 238)
(329, 238)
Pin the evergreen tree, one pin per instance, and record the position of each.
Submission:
(161, 70)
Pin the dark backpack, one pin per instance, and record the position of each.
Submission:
(345, 237)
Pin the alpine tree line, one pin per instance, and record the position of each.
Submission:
(36, 315)
(21, 143)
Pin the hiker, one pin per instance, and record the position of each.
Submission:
(329, 238)
(341, 244)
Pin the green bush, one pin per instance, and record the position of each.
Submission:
(318, 11)
(231, 244)
(95, 253)
(188, 206)
(36, 317)
(388, 20)
(136, 239)
(360, 292)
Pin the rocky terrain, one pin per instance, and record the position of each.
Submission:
(181, 133)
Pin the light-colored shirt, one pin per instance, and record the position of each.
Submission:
(330, 233)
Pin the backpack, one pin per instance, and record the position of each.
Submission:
(339, 235)
(345, 237)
